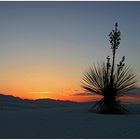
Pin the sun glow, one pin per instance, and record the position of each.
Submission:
(43, 57)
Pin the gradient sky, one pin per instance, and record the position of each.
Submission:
(46, 46)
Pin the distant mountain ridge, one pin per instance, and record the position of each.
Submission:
(4, 97)
(9, 98)
(12, 102)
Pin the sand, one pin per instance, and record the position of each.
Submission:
(71, 121)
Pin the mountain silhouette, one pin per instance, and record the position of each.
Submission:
(11, 102)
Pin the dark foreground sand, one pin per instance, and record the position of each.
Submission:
(68, 122)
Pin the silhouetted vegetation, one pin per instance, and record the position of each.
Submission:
(109, 80)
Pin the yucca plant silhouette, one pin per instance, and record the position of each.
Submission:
(110, 81)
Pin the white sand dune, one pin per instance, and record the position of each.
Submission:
(57, 119)
(67, 122)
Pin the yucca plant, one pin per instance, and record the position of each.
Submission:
(110, 81)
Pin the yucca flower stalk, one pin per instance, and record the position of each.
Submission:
(110, 81)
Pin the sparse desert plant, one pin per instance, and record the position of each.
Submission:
(109, 80)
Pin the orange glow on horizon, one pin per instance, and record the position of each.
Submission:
(33, 95)
(68, 97)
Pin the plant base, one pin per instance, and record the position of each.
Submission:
(103, 108)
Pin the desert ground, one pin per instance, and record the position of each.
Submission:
(67, 121)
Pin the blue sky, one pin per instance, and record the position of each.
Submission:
(59, 40)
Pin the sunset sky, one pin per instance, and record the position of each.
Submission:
(46, 46)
